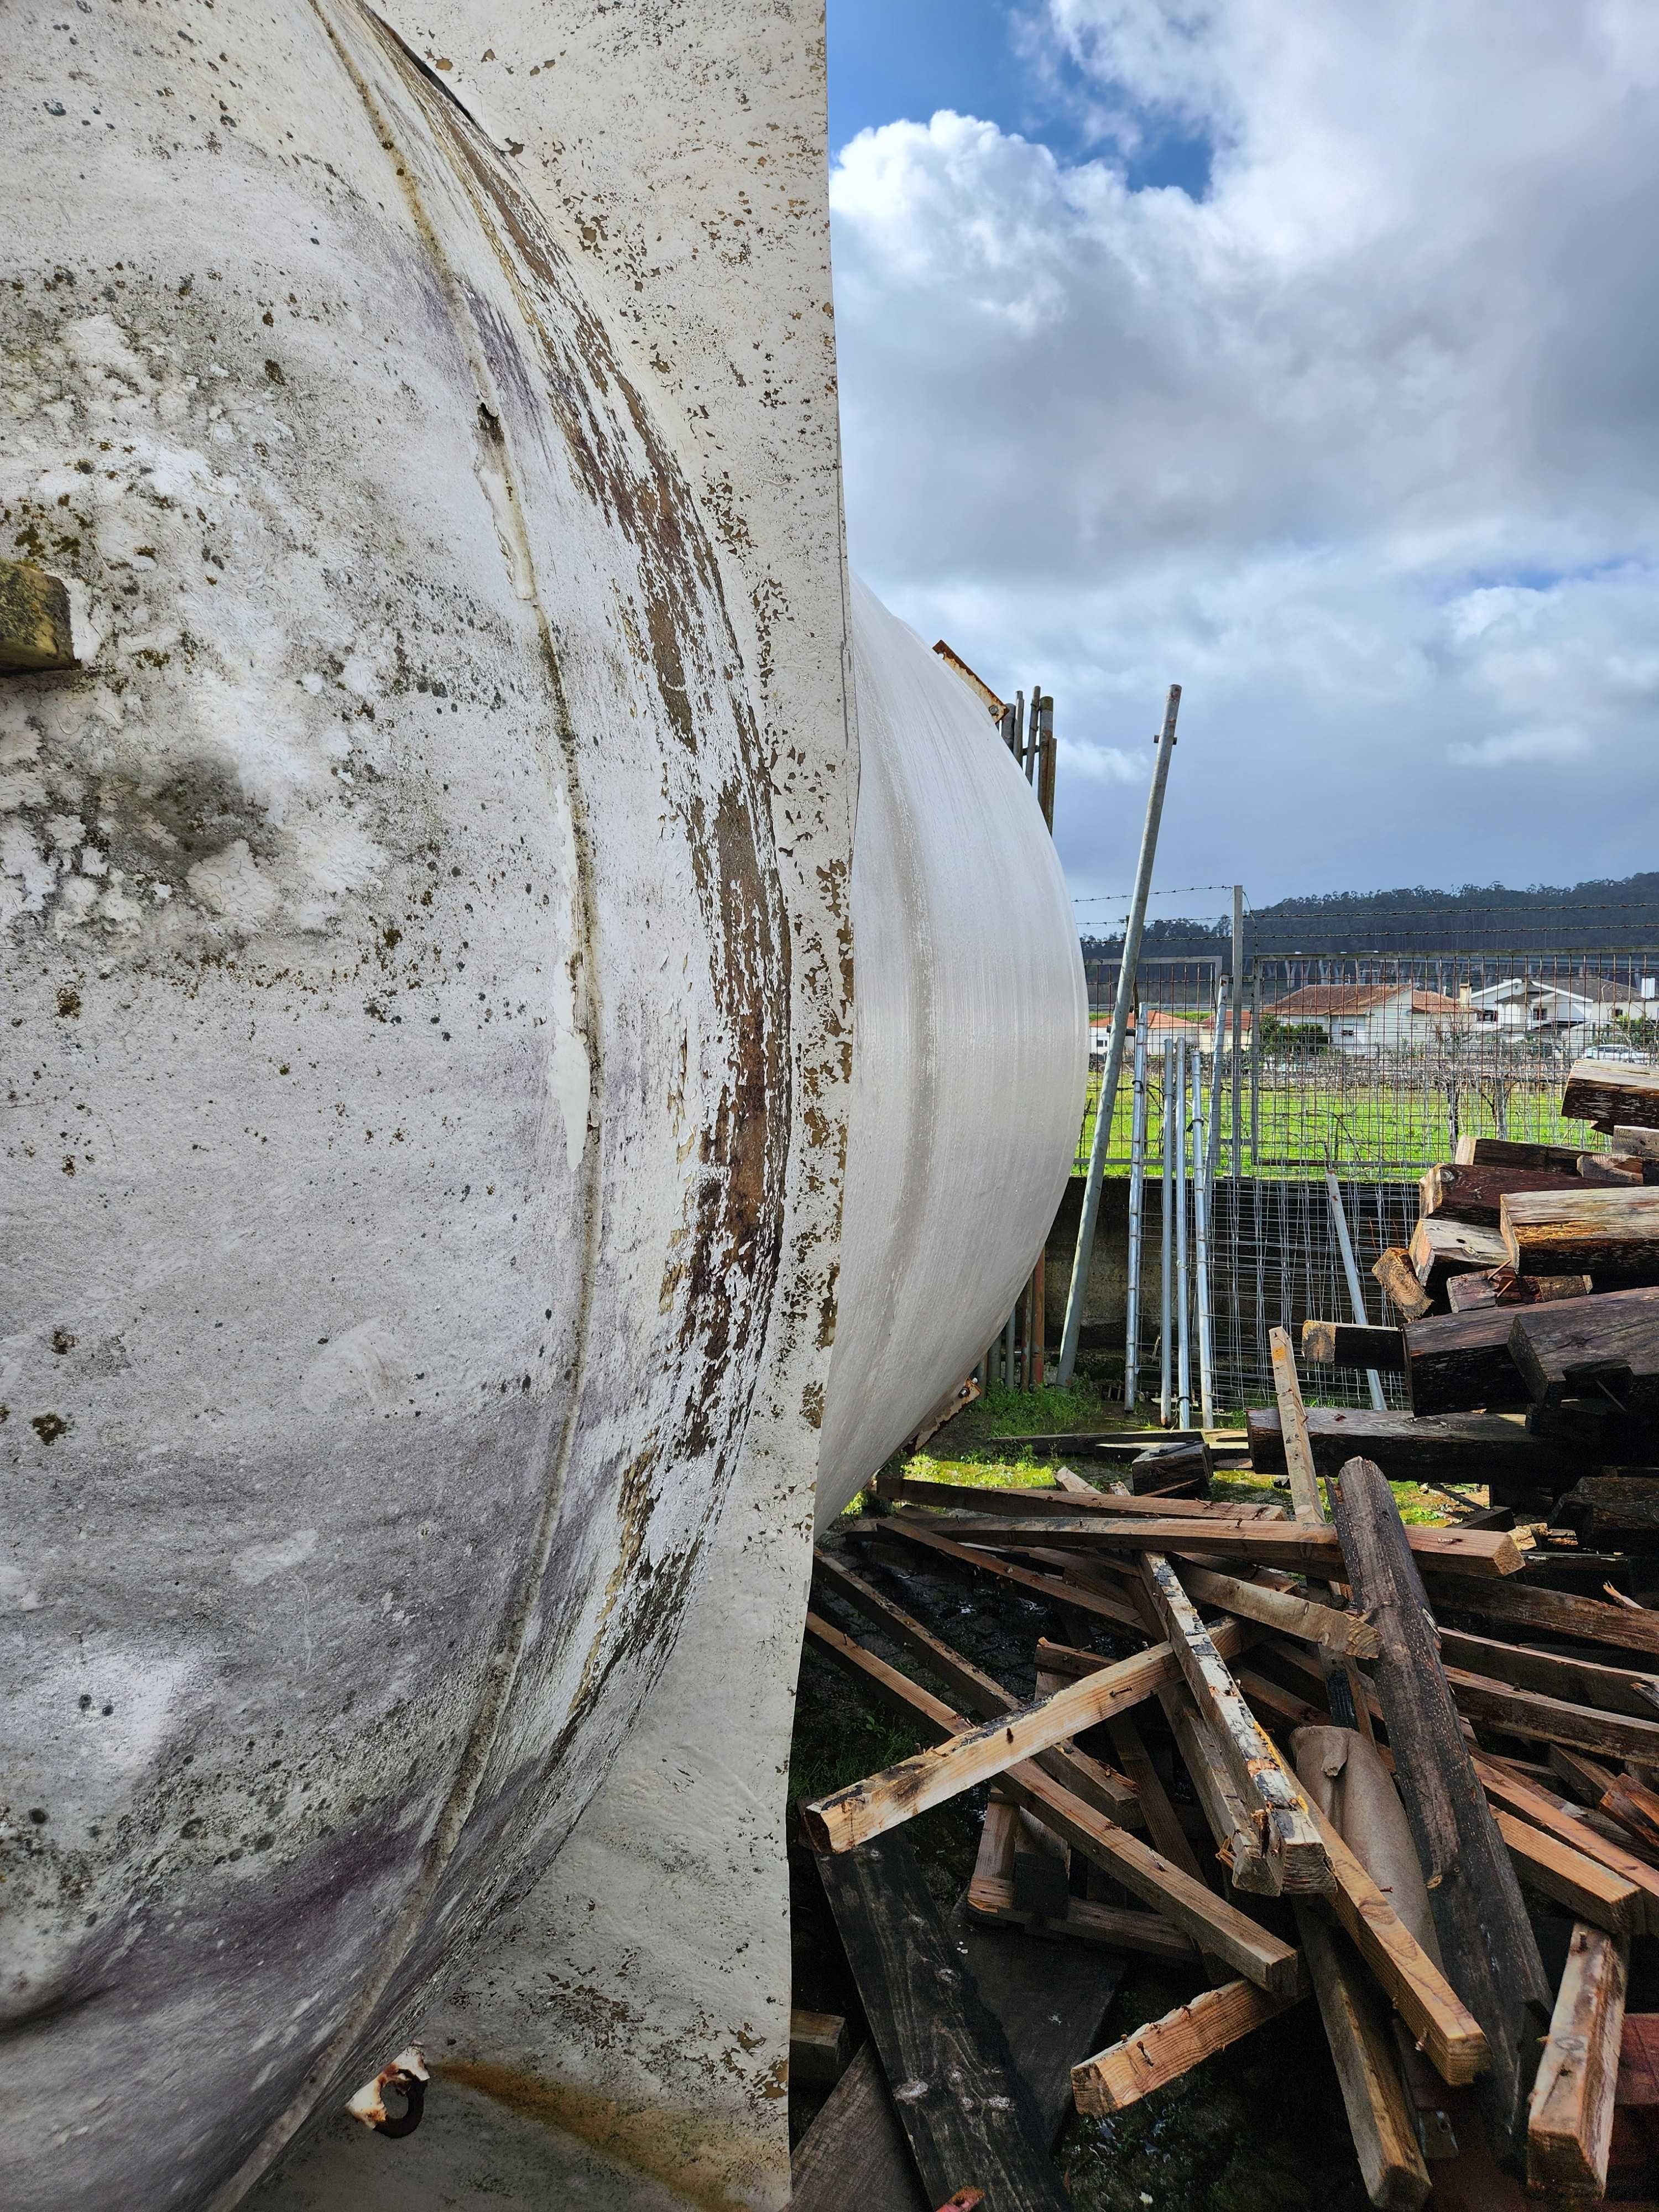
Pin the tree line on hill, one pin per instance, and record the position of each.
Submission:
(1602, 914)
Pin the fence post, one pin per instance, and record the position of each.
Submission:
(1166, 1229)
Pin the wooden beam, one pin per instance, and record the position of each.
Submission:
(1589, 1890)
(1439, 1249)
(906, 1529)
(1542, 1719)
(1611, 1094)
(1559, 1349)
(1610, 1235)
(977, 1753)
(1503, 1287)
(1473, 1193)
(1491, 1954)
(1644, 1143)
(1570, 2127)
(1111, 1927)
(1166, 2048)
(1279, 1821)
(1238, 1843)
(1217, 1927)
(1347, 1634)
(1555, 1612)
(1446, 1448)
(1305, 1549)
(1305, 1502)
(1513, 1793)
(1609, 1512)
(966, 2109)
(1367, 2071)
(979, 1693)
(1557, 1674)
(1457, 1361)
(1514, 1152)
(820, 2048)
(979, 1498)
(1163, 1827)
(1346, 1344)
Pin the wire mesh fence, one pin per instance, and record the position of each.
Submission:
(1369, 1068)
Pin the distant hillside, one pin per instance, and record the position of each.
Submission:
(1602, 916)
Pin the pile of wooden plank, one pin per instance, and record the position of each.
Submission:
(1528, 1343)
(1422, 1793)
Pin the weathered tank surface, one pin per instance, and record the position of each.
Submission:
(428, 912)
(398, 1056)
(970, 1052)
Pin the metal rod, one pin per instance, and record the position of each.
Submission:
(1166, 1227)
(1136, 1219)
(1108, 1081)
(1202, 1140)
(1355, 1296)
(1256, 1071)
(1237, 997)
(1183, 1287)
(1008, 1351)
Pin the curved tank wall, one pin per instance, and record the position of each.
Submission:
(970, 1052)
(397, 1033)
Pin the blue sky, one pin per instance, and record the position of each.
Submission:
(1353, 434)
(894, 61)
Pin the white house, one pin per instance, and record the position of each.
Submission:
(1528, 1005)
(1367, 1017)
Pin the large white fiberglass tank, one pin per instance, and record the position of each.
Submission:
(969, 1052)
(402, 1009)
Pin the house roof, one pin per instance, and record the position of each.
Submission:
(1432, 1002)
(1335, 999)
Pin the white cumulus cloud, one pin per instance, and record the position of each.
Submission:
(1361, 445)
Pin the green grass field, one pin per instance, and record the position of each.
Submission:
(1365, 1127)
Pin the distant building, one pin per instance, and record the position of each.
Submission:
(1367, 1017)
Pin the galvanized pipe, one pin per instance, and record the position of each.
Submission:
(1239, 1020)
(1108, 1081)
(1166, 1227)
(1137, 1219)
(1203, 1157)
(1184, 1287)
(1355, 1296)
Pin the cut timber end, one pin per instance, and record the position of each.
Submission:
(1570, 2122)
(1611, 1094)
(1607, 1232)
(34, 620)
(1166, 2049)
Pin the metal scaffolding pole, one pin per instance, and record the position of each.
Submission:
(1108, 1081)
(1355, 1296)
(1183, 1287)
(1203, 1139)
(1166, 1228)
(1137, 1219)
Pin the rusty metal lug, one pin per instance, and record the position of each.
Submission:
(34, 620)
(407, 2074)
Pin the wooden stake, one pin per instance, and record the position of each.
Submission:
(1379, 2117)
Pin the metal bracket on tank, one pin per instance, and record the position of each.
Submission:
(407, 2073)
